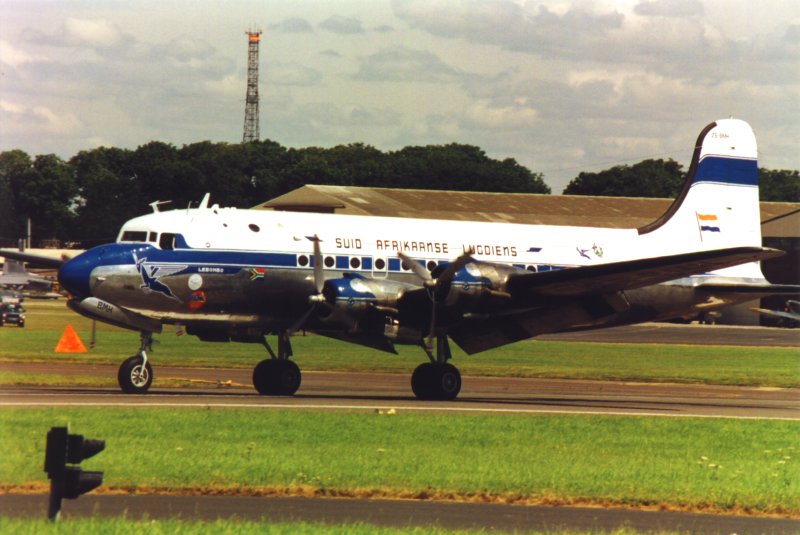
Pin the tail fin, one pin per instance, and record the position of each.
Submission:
(719, 205)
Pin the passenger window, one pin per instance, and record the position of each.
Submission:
(167, 241)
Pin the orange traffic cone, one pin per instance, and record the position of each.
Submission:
(70, 342)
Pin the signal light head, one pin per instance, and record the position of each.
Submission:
(79, 448)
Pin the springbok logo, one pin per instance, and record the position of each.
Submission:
(151, 274)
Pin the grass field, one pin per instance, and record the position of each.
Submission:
(78, 526)
(683, 463)
(730, 365)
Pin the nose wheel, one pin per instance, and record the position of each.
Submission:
(135, 374)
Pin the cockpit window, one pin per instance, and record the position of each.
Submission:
(152, 237)
(134, 235)
(167, 241)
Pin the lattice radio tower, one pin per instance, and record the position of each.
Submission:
(251, 131)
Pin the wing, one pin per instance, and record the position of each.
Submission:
(616, 276)
(35, 260)
(581, 297)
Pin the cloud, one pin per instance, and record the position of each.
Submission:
(511, 26)
(669, 8)
(407, 65)
(14, 56)
(342, 25)
(292, 25)
(292, 74)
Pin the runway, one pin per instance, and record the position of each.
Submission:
(375, 391)
(449, 515)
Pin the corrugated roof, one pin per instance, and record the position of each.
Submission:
(610, 212)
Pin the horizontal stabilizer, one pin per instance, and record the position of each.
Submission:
(756, 290)
(616, 276)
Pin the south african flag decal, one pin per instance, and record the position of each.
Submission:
(257, 273)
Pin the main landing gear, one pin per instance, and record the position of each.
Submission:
(135, 375)
(437, 380)
(277, 375)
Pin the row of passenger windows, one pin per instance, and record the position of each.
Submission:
(393, 264)
(165, 241)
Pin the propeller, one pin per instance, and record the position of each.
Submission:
(435, 286)
(316, 298)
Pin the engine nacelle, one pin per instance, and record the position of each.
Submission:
(360, 304)
(478, 285)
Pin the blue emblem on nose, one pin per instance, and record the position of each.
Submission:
(152, 272)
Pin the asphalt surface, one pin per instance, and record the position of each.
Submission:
(221, 387)
(450, 515)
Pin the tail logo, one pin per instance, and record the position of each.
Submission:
(707, 223)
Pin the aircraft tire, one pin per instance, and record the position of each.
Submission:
(263, 377)
(432, 381)
(273, 377)
(133, 378)
(420, 381)
(288, 378)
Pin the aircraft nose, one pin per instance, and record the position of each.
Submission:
(74, 274)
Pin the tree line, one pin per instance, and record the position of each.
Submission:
(84, 200)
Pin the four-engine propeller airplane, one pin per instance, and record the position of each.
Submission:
(239, 275)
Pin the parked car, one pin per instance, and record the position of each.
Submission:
(12, 314)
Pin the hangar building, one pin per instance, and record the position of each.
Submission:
(780, 221)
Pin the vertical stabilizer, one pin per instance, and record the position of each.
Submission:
(719, 204)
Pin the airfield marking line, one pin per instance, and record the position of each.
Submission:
(375, 407)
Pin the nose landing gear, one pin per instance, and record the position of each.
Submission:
(135, 374)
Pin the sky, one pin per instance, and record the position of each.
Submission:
(561, 86)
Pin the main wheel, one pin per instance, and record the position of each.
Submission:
(447, 382)
(133, 377)
(421, 381)
(263, 375)
(287, 378)
(434, 381)
(273, 377)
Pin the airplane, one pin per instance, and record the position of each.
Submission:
(227, 274)
(790, 316)
(15, 276)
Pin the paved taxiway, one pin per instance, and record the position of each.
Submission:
(374, 391)
(449, 515)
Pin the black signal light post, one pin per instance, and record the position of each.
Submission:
(69, 481)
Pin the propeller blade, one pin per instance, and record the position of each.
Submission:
(316, 299)
(432, 328)
(414, 266)
(319, 276)
(297, 325)
(443, 281)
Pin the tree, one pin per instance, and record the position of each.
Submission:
(779, 185)
(460, 168)
(45, 193)
(649, 178)
(108, 195)
(13, 164)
